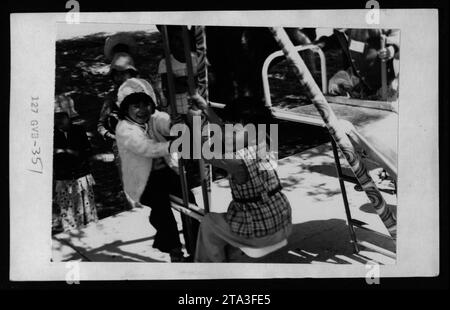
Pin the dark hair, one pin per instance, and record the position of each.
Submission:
(248, 110)
(133, 99)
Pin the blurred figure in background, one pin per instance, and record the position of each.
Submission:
(66, 103)
(122, 68)
(362, 57)
(119, 49)
(179, 69)
(73, 194)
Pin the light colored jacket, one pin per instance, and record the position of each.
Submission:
(137, 148)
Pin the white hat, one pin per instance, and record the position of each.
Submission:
(122, 62)
(134, 85)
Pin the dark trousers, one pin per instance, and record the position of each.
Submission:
(161, 184)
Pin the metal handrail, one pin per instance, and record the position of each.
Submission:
(271, 57)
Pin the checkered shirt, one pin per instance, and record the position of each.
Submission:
(268, 213)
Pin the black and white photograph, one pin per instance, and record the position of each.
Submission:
(194, 144)
(110, 206)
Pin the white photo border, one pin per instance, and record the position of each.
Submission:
(33, 76)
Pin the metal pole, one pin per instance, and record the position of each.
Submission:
(337, 132)
(202, 68)
(344, 196)
(191, 84)
(170, 78)
(202, 88)
(383, 70)
(172, 100)
(189, 235)
(271, 57)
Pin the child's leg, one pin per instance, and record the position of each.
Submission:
(156, 196)
(190, 233)
(190, 225)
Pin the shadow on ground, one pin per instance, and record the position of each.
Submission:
(321, 241)
(112, 252)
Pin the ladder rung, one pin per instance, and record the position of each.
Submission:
(377, 249)
(179, 202)
(188, 212)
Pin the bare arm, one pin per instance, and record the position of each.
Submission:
(200, 103)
